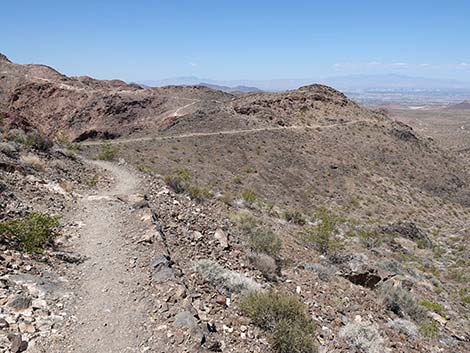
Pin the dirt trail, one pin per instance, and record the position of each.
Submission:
(223, 132)
(110, 313)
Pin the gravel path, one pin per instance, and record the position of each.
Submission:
(110, 312)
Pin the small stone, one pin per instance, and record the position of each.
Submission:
(17, 344)
(185, 319)
(3, 324)
(26, 328)
(222, 238)
(197, 235)
(20, 302)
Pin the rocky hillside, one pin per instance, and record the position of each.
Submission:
(82, 108)
(269, 222)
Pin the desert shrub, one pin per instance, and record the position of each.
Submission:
(34, 162)
(225, 280)
(92, 181)
(362, 337)
(323, 235)
(294, 216)
(249, 197)
(265, 241)
(198, 193)
(107, 151)
(178, 180)
(33, 231)
(401, 302)
(227, 198)
(38, 141)
(432, 306)
(406, 327)
(428, 328)
(284, 317)
(288, 338)
(8, 149)
(324, 272)
(369, 238)
(245, 222)
(266, 264)
(16, 135)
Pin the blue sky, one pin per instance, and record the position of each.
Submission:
(242, 39)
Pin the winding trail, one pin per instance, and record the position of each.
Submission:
(218, 133)
(110, 312)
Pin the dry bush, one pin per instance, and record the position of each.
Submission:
(401, 302)
(34, 162)
(363, 337)
(225, 280)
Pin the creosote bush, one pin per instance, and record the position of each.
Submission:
(249, 197)
(198, 193)
(179, 181)
(33, 231)
(265, 241)
(432, 306)
(284, 317)
(294, 216)
(323, 235)
(107, 152)
(38, 142)
(245, 221)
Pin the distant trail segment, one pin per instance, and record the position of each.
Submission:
(218, 133)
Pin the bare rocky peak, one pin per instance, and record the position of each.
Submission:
(4, 58)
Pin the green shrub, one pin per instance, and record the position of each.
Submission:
(227, 198)
(265, 241)
(284, 317)
(33, 231)
(428, 328)
(107, 152)
(245, 222)
(198, 193)
(323, 235)
(38, 142)
(294, 216)
(401, 302)
(249, 197)
(369, 238)
(432, 306)
(92, 181)
(288, 338)
(178, 180)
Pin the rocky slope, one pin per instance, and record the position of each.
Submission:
(357, 223)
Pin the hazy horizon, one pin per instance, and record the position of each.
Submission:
(260, 40)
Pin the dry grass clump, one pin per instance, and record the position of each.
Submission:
(225, 280)
(34, 162)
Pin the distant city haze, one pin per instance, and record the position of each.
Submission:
(273, 45)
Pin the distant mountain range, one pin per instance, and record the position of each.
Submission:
(344, 83)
